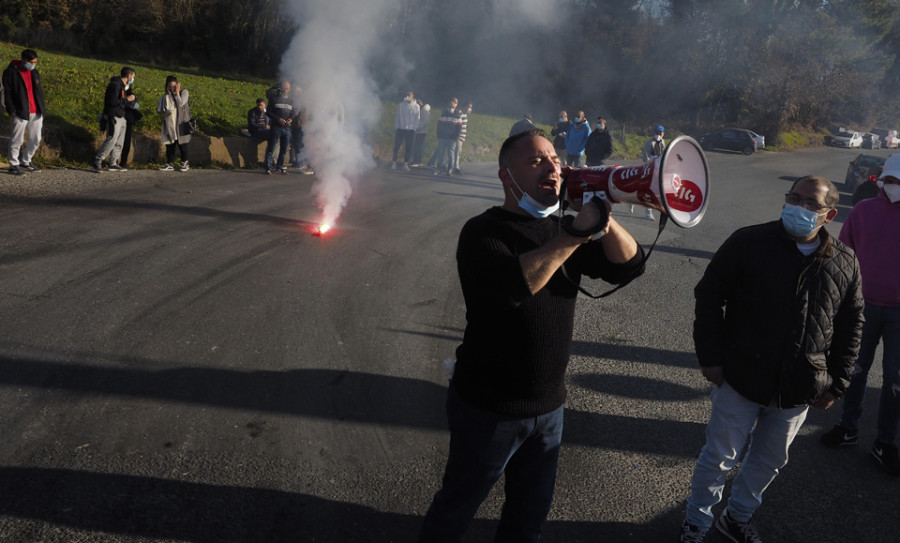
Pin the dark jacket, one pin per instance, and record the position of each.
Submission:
(256, 119)
(598, 147)
(559, 132)
(449, 127)
(785, 326)
(281, 107)
(114, 99)
(15, 92)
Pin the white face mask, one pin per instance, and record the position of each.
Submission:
(658, 137)
(892, 191)
(532, 206)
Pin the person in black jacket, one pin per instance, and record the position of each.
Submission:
(257, 121)
(559, 131)
(506, 394)
(778, 322)
(132, 116)
(281, 113)
(23, 99)
(114, 102)
(599, 144)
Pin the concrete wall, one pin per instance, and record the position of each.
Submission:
(238, 151)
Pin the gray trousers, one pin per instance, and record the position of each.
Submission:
(115, 137)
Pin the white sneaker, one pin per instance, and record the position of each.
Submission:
(184, 167)
(406, 166)
(116, 168)
(167, 168)
(649, 215)
(393, 165)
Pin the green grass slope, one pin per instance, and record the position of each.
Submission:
(74, 89)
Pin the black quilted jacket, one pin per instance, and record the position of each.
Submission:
(785, 326)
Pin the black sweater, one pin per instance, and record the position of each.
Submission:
(516, 345)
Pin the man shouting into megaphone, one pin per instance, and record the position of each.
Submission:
(520, 267)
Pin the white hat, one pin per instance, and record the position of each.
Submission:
(891, 167)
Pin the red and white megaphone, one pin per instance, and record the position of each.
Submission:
(677, 183)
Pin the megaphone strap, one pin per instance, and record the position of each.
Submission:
(663, 220)
(566, 221)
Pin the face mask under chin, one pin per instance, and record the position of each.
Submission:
(532, 206)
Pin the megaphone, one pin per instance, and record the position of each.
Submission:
(677, 183)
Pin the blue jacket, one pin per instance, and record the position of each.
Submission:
(577, 137)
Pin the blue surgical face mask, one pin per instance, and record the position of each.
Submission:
(28, 65)
(131, 81)
(530, 205)
(562, 119)
(799, 221)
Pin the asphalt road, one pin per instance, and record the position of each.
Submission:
(182, 360)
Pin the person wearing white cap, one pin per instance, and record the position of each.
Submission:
(872, 230)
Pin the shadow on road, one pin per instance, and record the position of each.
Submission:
(148, 507)
(105, 203)
(328, 394)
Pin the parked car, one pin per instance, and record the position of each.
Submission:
(847, 139)
(867, 189)
(871, 141)
(734, 139)
(889, 138)
(861, 168)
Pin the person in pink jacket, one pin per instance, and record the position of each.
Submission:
(873, 230)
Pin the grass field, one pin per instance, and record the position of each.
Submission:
(74, 88)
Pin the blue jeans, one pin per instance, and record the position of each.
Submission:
(282, 136)
(443, 154)
(733, 419)
(484, 445)
(882, 323)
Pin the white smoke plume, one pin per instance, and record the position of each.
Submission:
(328, 58)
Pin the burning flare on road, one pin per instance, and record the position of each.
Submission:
(322, 229)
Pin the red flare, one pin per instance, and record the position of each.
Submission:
(322, 229)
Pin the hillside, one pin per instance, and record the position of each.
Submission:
(74, 90)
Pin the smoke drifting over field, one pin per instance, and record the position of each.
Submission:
(328, 59)
(348, 54)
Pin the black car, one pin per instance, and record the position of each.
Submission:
(867, 189)
(871, 141)
(861, 168)
(733, 139)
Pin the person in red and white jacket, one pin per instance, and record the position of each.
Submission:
(23, 99)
